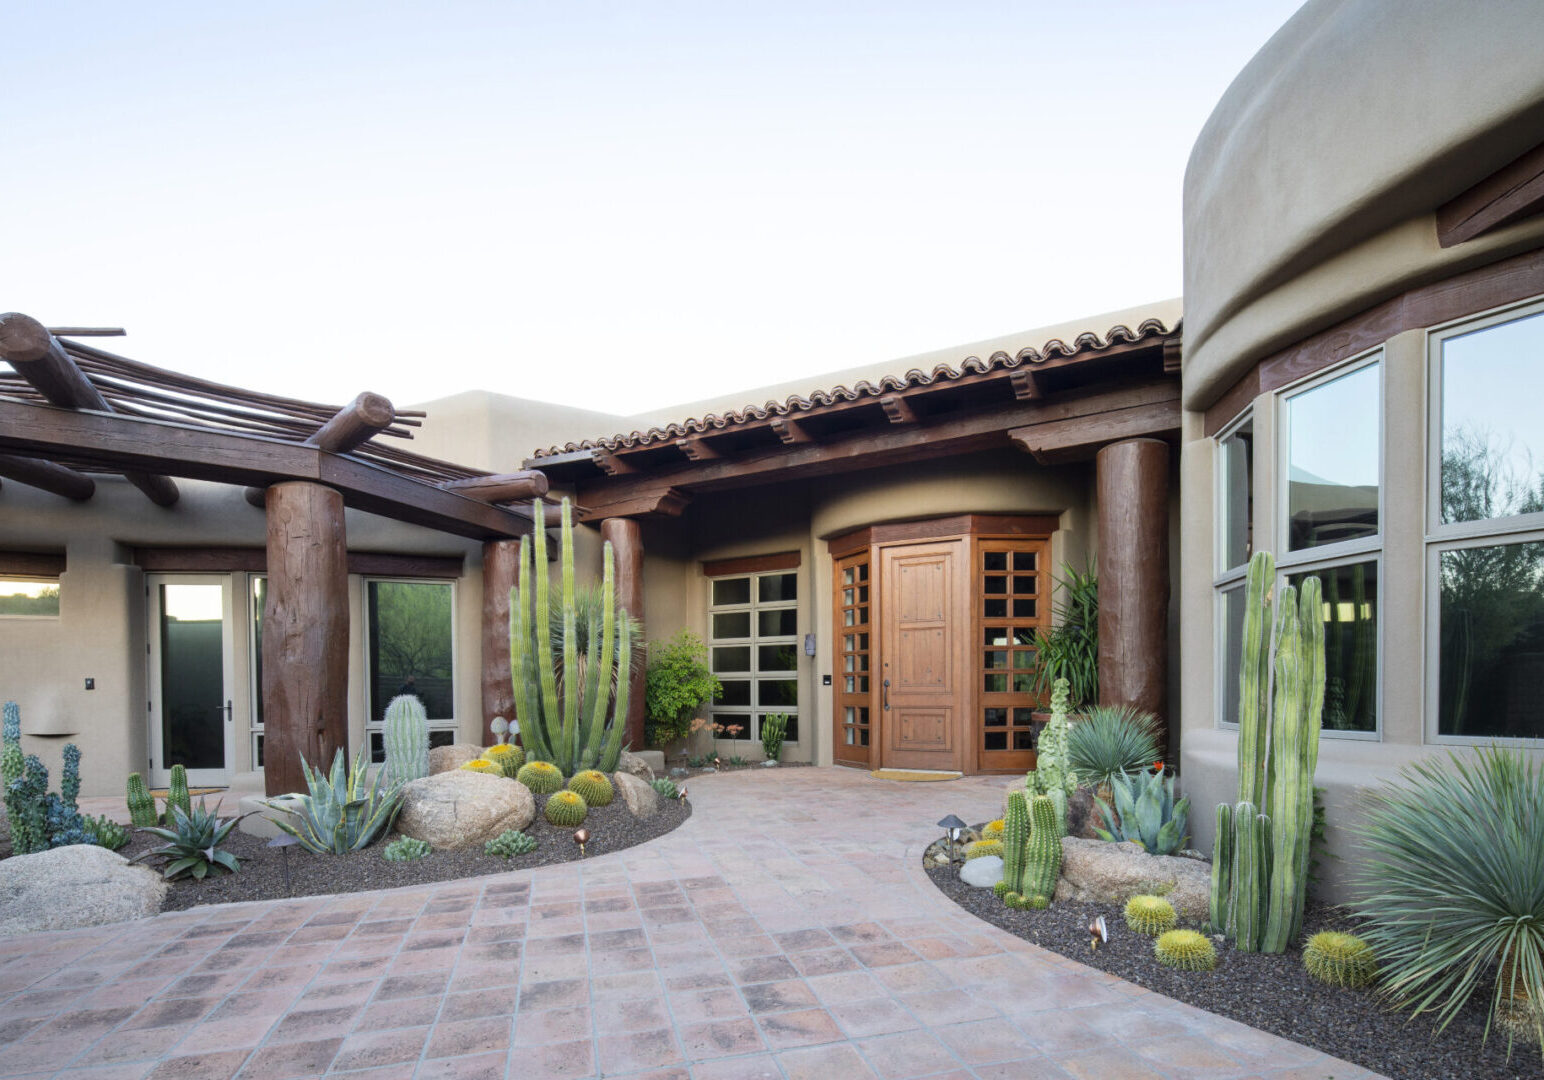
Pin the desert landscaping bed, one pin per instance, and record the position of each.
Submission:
(1270, 992)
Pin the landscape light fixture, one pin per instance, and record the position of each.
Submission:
(581, 837)
(951, 826)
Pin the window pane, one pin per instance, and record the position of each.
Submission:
(996, 658)
(410, 646)
(771, 588)
(777, 658)
(995, 560)
(1492, 439)
(784, 622)
(258, 599)
(1333, 460)
(732, 624)
(736, 692)
(1238, 496)
(777, 692)
(1024, 560)
(18, 597)
(732, 658)
(1350, 645)
(995, 717)
(734, 590)
(1491, 667)
(1233, 603)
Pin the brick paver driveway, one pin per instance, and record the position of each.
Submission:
(786, 931)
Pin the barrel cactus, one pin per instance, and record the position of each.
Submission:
(666, 788)
(1150, 915)
(142, 810)
(542, 777)
(1340, 959)
(1044, 855)
(566, 808)
(406, 735)
(1186, 950)
(484, 766)
(1038, 902)
(594, 786)
(507, 757)
(993, 830)
(177, 794)
(982, 848)
(510, 843)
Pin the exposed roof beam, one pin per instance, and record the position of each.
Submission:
(1026, 384)
(35, 472)
(672, 502)
(87, 331)
(610, 464)
(501, 488)
(1059, 441)
(898, 409)
(349, 428)
(790, 431)
(696, 448)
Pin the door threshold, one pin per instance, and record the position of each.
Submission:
(916, 775)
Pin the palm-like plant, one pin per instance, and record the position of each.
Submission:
(193, 844)
(1111, 741)
(1453, 883)
(341, 811)
(1071, 650)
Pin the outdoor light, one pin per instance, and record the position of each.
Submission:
(1097, 932)
(283, 842)
(682, 793)
(581, 837)
(951, 826)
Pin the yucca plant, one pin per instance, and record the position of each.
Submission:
(193, 844)
(1111, 741)
(342, 811)
(1452, 884)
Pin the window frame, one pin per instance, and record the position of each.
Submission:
(754, 676)
(1225, 579)
(441, 724)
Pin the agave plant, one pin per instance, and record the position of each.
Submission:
(1111, 741)
(342, 811)
(193, 844)
(1145, 813)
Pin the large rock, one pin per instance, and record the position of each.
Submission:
(79, 885)
(1081, 812)
(636, 765)
(1105, 872)
(639, 795)
(983, 873)
(461, 808)
(445, 758)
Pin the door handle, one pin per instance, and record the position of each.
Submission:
(885, 694)
(227, 710)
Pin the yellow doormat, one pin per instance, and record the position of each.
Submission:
(920, 776)
(161, 792)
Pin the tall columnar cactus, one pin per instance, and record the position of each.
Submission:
(1222, 869)
(1265, 870)
(12, 763)
(1043, 864)
(407, 739)
(1052, 775)
(141, 802)
(1015, 842)
(576, 722)
(69, 781)
(177, 793)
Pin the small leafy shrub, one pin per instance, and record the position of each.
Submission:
(1148, 813)
(1111, 741)
(510, 843)
(107, 832)
(484, 766)
(566, 808)
(666, 788)
(1186, 950)
(506, 756)
(405, 849)
(542, 777)
(678, 683)
(1343, 960)
(593, 786)
(193, 844)
(983, 848)
(1150, 915)
(738, 762)
(992, 830)
(774, 727)
(341, 811)
(697, 761)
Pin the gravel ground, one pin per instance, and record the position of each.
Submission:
(262, 875)
(1271, 993)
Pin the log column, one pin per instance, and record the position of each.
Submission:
(626, 538)
(1133, 487)
(500, 565)
(305, 633)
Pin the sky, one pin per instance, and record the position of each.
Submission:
(616, 206)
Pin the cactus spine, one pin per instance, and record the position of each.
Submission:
(407, 739)
(1043, 864)
(141, 803)
(177, 793)
(1015, 841)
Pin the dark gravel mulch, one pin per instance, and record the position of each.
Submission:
(262, 874)
(1270, 992)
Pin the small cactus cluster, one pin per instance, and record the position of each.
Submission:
(507, 757)
(483, 765)
(593, 786)
(566, 809)
(983, 848)
(1015, 843)
(510, 843)
(666, 788)
(405, 849)
(177, 792)
(108, 833)
(1186, 950)
(1343, 960)
(406, 735)
(1150, 915)
(142, 810)
(1043, 860)
(1026, 901)
(993, 830)
(542, 777)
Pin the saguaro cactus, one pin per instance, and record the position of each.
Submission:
(577, 723)
(407, 739)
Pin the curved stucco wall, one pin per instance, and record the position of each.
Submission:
(1310, 192)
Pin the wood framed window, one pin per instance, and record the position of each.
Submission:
(1010, 609)
(854, 652)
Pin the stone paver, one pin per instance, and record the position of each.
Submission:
(786, 931)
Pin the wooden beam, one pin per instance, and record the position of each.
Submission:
(669, 503)
(1506, 196)
(35, 472)
(116, 442)
(898, 409)
(790, 431)
(220, 560)
(38, 357)
(354, 424)
(610, 464)
(31, 564)
(1173, 356)
(1089, 433)
(750, 564)
(501, 487)
(87, 331)
(696, 448)
(1026, 384)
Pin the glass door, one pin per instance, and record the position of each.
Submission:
(191, 676)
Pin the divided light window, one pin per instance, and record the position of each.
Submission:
(1234, 546)
(754, 651)
(1485, 532)
(411, 650)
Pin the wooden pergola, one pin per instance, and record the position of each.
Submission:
(69, 409)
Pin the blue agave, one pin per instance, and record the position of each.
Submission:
(1145, 813)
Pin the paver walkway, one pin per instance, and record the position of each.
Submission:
(786, 931)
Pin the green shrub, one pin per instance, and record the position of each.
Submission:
(679, 682)
(107, 832)
(405, 849)
(193, 844)
(341, 811)
(1452, 883)
(1111, 741)
(509, 843)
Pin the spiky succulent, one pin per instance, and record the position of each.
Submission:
(1001, 890)
(141, 803)
(566, 808)
(993, 830)
(108, 833)
(593, 786)
(1013, 900)
(341, 811)
(483, 765)
(1038, 902)
(1186, 950)
(510, 843)
(1340, 959)
(507, 756)
(666, 788)
(1150, 915)
(542, 777)
(405, 849)
(982, 848)
(193, 844)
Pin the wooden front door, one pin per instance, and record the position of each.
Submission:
(924, 612)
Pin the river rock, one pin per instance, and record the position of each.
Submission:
(983, 873)
(635, 765)
(1106, 872)
(461, 808)
(640, 797)
(446, 758)
(79, 885)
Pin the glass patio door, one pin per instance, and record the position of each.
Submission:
(192, 665)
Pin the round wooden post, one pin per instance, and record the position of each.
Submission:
(1133, 486)
(626, 538)
(501, 560)
(305, 634)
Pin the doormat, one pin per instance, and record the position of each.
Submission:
(161, 792)
(920, 776)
